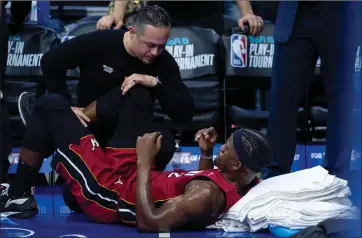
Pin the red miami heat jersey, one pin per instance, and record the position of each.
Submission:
(167, 185)
(104, 182)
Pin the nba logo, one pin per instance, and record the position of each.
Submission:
(238, 51)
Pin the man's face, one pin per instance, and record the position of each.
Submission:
(150, 43)
(227, 157)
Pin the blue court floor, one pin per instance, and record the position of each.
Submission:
(55, 220)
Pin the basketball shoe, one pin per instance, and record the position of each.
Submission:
(17, 207)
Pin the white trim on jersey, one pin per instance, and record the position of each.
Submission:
(85, 180)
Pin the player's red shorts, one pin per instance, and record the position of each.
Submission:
(98, 179)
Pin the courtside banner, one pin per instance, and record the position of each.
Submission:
(188, 158)
(299, 158)
(195, 50)
(316, 154)
(26, 48)
(247, 55)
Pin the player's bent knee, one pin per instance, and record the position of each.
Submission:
(141, 95)
(52, 102)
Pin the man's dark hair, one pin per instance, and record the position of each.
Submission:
(153, 15)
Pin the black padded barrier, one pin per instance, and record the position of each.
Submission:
(26, 46)
(196, 52)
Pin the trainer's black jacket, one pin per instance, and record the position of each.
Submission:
(104, 63)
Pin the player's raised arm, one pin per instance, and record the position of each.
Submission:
(206, 138)
(199, 205)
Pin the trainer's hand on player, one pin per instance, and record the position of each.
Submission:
(141, 79)
(81, 116)
(147, 147)
(106, 22)
(206, 138)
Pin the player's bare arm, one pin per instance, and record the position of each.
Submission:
(91, 111)
(200, 203)
(206, 139)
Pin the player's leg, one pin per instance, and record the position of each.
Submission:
(135, 118)
(139, 120)
(52, 125)
(81, 162)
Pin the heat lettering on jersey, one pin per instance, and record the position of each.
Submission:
(95, 144)
(189, 173)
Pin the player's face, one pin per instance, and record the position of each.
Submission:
(227, 157)
(151, 43)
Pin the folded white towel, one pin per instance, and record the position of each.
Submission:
(312, 184)
(230, 226)
(298, 215)
(296, 200)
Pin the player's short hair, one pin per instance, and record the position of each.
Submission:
(153, 15)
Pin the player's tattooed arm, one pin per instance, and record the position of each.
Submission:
(199, 205)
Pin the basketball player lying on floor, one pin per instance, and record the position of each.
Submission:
(111, 185)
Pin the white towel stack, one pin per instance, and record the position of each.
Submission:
(296, 201)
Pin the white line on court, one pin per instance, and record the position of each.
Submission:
(164, 235)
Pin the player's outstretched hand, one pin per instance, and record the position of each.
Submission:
(206, 138)
(147, 147)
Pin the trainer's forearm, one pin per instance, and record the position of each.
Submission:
(145, 206)
(91, 111)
